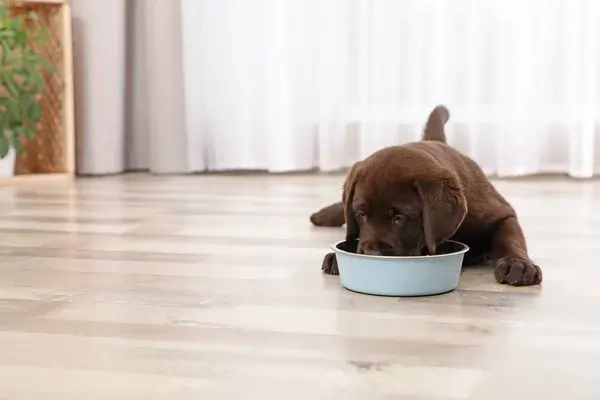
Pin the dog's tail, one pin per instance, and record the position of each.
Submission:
(434, 129)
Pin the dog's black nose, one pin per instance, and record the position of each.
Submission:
(371, 252)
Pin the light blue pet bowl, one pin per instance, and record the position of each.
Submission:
(400, 276)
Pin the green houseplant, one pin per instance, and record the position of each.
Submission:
(21, 82)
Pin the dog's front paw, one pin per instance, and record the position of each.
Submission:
(329, 265)
(517, 272)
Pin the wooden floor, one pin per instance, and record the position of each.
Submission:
(210, 288)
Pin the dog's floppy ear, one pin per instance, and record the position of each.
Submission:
(352, 229)
(444, 208)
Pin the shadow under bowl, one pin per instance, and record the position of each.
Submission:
(400, 276)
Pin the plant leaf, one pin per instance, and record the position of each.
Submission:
(11, 85)
(16, 23)
(4, 145)
(13, 113)
(37, 81)
(35, 111)
(28, 132)
(5, 33)
(12, 58)
(4, 42)
(16, 144)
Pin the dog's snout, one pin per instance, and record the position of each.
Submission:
(375, 248)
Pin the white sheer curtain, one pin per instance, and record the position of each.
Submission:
(283, 85)
(295, 84)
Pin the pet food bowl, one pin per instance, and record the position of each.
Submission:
(400, 276)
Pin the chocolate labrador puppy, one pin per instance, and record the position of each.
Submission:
(406, 200)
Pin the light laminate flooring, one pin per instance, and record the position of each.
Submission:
(209, 287)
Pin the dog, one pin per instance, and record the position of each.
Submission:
(406, 200)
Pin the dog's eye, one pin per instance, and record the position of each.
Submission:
(398, 219)
(361, 214)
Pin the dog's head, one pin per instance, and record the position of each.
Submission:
(400, 202)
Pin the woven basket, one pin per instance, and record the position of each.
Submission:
(52, 150)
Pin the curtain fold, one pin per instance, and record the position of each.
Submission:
(284, 85)
(99, 33)
(166, 130)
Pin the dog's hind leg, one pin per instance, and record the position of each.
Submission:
(332, 216)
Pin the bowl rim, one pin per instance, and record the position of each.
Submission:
(464, 249)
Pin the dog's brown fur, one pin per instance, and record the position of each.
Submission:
(406, 200)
